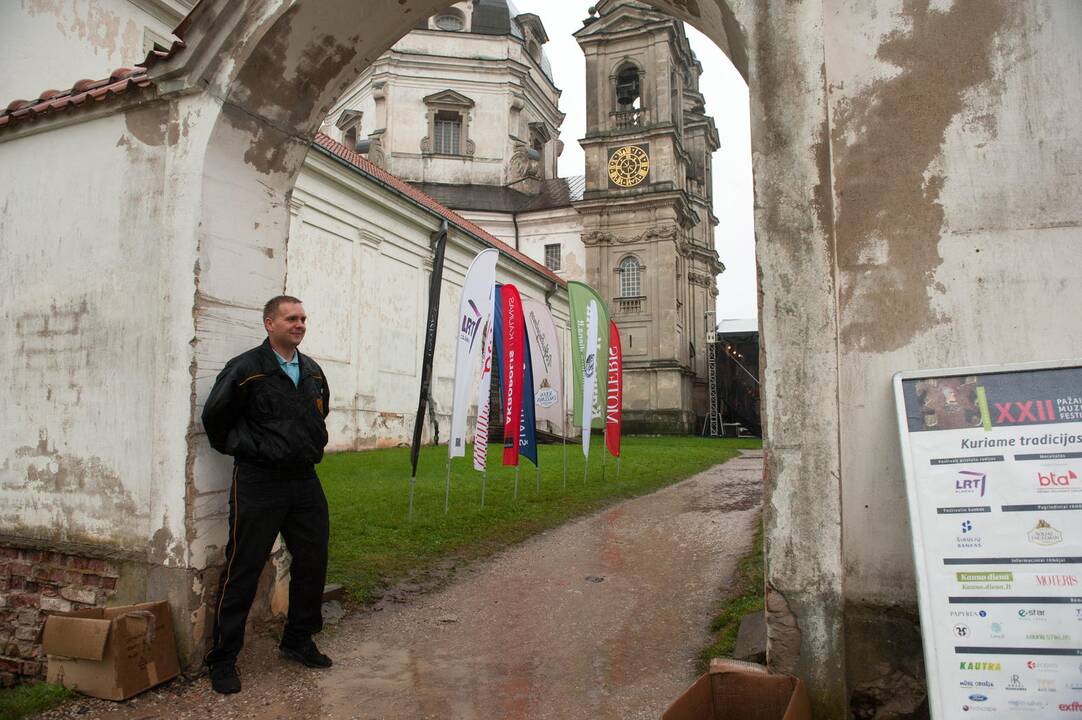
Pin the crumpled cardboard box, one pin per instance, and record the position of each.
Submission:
(111, 653)
(734, 690)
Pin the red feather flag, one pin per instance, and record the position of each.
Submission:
(513, 369)
(614, 401)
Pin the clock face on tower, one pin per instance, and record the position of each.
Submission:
(629, 165)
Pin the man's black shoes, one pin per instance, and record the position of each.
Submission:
(306, 654)
(224, 678)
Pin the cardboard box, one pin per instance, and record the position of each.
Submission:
(111, 653)
(734, 690)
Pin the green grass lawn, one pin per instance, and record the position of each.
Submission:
(373, 544)
(746, 595)
(23, 700)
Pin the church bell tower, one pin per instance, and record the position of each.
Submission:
(646, 209)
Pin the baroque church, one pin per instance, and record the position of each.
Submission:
(465, 108)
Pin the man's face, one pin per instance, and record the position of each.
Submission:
(286, 328)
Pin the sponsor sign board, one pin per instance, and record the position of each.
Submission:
(993, 465)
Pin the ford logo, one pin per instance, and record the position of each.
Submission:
(977, 697)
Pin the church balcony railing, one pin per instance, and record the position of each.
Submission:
(627, 118)
(629, 305)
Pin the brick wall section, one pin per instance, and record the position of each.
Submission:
(33, 584)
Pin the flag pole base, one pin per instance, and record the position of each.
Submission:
(447, 489)
(413, 484)
(484, 477)
(516, 482)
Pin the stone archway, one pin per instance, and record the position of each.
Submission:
(269, 72)
(915, 208)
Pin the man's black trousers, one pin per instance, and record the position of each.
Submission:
(262, 503)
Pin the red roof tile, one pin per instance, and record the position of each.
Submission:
(120, 80)
(365, 166)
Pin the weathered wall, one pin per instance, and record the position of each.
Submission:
(96, 297)
(955, 148)
(799, 352)
(360, 257)
(61, 42)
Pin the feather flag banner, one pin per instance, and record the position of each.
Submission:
(580, 296)
(614, 400)
(474, 311)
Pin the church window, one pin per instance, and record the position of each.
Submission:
(448, 133)
(349, 123)
(448, 125)
(552, 256)
(628, 96)
(630, 278)
(451, 21)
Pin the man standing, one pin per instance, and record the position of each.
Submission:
(268, 410)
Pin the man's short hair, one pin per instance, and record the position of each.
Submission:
(270, 310)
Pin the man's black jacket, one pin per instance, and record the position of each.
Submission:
(255, 413)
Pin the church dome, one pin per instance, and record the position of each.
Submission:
(501, 17)
(496, 17)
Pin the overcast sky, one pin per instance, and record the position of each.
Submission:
(726, 100)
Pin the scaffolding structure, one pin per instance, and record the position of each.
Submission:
(713, 411)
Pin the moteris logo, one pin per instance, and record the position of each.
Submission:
(1057, 580)
(970, 482)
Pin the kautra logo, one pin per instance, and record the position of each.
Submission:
(1013, 413)
(993, 666)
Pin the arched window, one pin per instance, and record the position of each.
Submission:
(628, 93)
(630, 277)
(451, 20)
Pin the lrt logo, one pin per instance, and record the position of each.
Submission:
(970, 482)
(1014, 413)
(470, 325)
(1051, 479)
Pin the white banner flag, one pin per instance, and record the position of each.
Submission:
(480, 434)
(547, 364)
(589, 373)
(474, 310)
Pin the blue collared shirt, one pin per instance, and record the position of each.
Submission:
(292, 368)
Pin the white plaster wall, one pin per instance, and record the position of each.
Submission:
(61, 42)
(360, 258)
(493, 71)
(1001, 280)
(97, 298)
(537, 229)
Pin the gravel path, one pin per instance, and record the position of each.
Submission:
(599, 618)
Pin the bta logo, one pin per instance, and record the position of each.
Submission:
(1021, 412)
(1051, 479)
